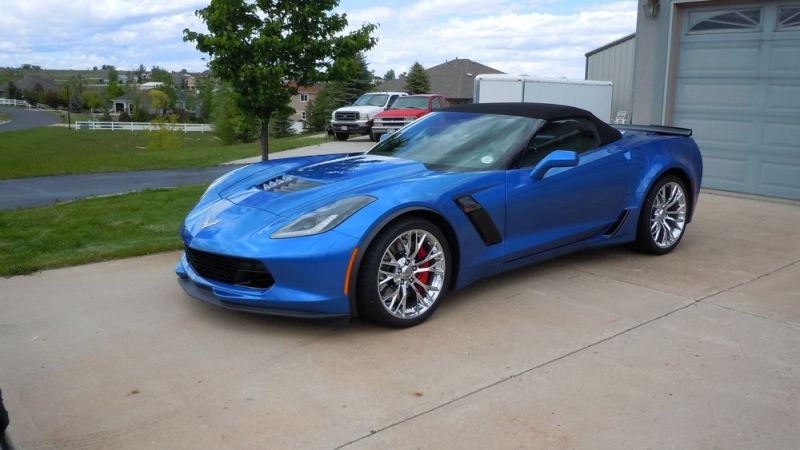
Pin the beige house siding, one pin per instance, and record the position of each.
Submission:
(300, 106)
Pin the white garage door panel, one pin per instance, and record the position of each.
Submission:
(779, 179)
(724, 169)
(708, 94)
(783, 136)
(719, 132)
(727, 59)
(785, 59)
(783, 98)
(740, 92)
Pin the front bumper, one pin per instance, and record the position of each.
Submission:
(352, 127)
(309, 277)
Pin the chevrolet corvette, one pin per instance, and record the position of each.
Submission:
(454, 197)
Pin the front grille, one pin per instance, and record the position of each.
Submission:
(391, 121)
(229, 269)
(346, 115)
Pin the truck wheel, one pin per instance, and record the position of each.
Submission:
(375, 137)
(342, 136)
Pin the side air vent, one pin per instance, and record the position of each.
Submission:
(617, 225)
(480, 219)
(286, 184)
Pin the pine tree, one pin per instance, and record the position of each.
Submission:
(417, 80)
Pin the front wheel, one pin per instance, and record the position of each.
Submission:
(404, 274)
(662, 220)
(374, 137)
(342, 136)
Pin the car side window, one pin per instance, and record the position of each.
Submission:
(436, 105)
(577, 134)
(391, 101)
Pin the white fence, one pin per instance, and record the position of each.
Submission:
(14, 102)
(143, 126)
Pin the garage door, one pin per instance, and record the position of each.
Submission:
(738, 88)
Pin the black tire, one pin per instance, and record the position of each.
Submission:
(645, 241)
(342, 136)
(369, 297)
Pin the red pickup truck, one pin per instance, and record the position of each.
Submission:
(404, 111)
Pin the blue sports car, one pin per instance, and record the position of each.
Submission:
(454, 197)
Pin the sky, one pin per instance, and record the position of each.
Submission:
(532, 37)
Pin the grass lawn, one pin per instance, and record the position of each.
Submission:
(57, 151)
(94, 229)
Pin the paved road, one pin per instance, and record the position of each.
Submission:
(23, 119)
(604, 350)
(37, 191)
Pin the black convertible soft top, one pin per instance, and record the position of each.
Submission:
(544, 111)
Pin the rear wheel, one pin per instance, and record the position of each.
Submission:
(662, 220)
(374, 137)
(342, 136)
(405, 273)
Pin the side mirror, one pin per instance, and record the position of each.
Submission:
(557, 158)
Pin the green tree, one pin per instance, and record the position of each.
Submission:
(113, 90)
(140, 73)
(13, 90)
(165, 136)
(389, 76)
(417, 80)
(360, 82)
(230, 124)
(159, 101)
(206, 88)
(260, 47)
(282, 121)
(332, 96)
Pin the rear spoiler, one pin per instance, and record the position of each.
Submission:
(659, 129)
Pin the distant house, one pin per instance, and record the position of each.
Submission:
(299, 102)
(454, 79)
(29, 83)
(123, 103)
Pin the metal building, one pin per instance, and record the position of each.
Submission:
(614, 62)
(730, 70)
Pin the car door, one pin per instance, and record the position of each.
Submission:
(568, 204)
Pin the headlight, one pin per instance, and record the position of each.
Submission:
(333, 115)
(363, 116)
(324, 218)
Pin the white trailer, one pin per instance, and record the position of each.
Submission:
(593, 96)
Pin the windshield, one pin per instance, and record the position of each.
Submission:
(371, 100)
(411, 103)
(460, 141)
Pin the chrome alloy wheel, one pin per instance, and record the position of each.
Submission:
(668, 216)
(411, 274)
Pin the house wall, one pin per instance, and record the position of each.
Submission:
(615, 64)
(300, 106)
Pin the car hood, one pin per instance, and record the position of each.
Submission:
(310, 182)
(406, 112)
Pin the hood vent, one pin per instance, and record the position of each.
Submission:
(286, 184)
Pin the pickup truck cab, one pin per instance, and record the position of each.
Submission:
(357, 118)
(404, 111)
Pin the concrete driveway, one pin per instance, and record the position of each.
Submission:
(608, 349)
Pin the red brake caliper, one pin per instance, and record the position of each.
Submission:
(424, 276)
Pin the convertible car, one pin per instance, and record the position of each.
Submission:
(454, 197)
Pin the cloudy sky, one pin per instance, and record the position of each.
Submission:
(535, 37)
